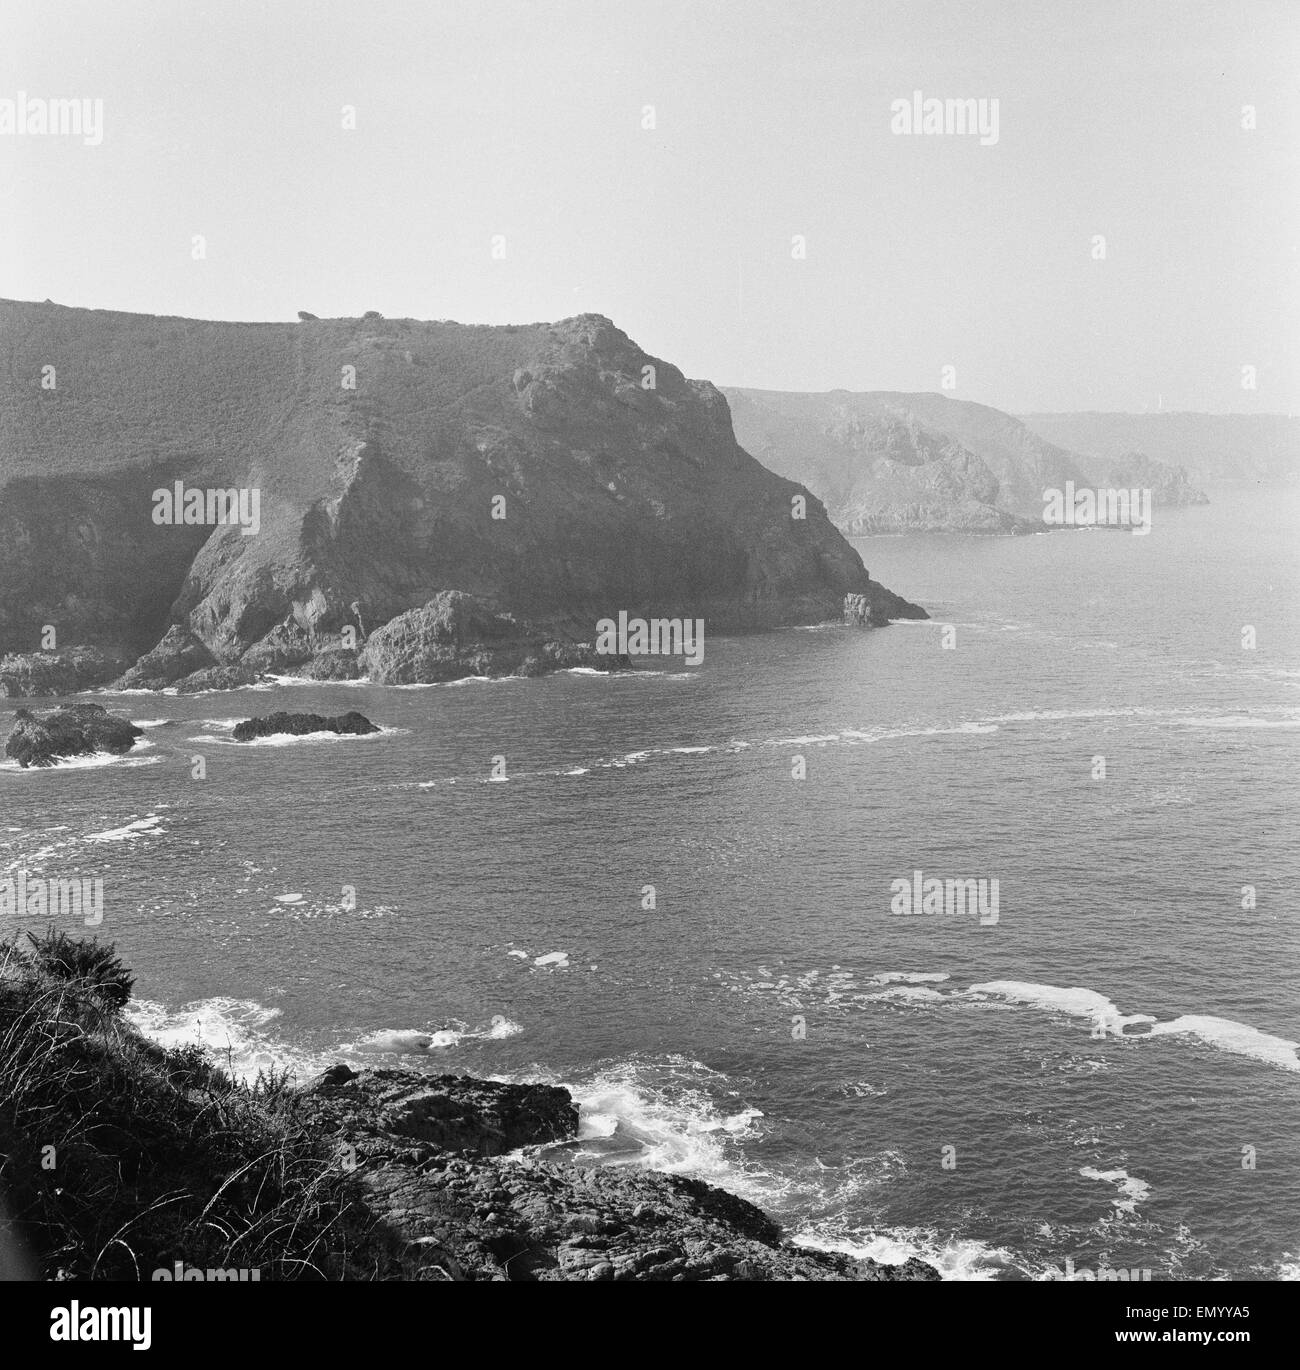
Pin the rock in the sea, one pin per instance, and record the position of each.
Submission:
(876, 607)
(78, 730)
(299, 725)
(427, 1153)
(456, 635)
(29, 675)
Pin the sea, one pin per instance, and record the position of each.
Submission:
(677, 892)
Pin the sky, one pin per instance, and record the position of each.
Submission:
(762, 223)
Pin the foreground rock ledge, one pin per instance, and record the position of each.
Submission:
(431, 1155)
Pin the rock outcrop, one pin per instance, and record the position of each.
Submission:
(555, 472)
(78, 730)
(430, 1157)
(179, 654)
(300, 725)
(32, 675)
(456, 635)
(890, 462)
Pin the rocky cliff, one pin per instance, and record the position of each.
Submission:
(884, 461)
(555, 472)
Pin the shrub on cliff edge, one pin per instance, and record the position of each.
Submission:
(119, 1157)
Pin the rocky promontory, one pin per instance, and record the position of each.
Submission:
(431, 1157)
(45, 739)
(554, 474)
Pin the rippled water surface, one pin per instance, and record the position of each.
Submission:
(1088, 1077)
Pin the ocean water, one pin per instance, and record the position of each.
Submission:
(1107, 1074)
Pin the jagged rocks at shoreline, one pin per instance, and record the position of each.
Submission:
(77, 730)
(456, 635)
(300, 725)
(33, 675)
(182, 661)
(430, 1157)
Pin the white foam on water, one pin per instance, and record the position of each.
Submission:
(1237, 1038)
(150, 723)
(916, 994)
(1224, 1034)
(141, 827)
(417, 1041)
(1069, 715)
(1132, 1189)
(232, 1030)
(1237, 721)
(401, 1041)
(95, 761)
(465, 680)
(302, 680)
(294, 739)
(674, 1128)
(889, 977)
(955, 1258)
(1075, 1001)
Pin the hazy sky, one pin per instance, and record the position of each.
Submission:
(477, 118)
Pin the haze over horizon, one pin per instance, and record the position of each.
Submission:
(770, 120)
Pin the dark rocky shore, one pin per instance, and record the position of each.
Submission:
(159, 1157)
(430, 1157)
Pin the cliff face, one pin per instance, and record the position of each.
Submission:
(894, 462)
(617, 484)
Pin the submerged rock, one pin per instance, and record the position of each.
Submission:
(299, 725)
(78, 730)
